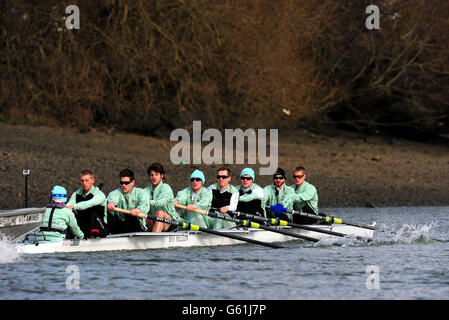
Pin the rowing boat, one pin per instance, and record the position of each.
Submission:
(15, 224)
(183, 239)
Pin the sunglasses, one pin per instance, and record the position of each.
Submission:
(246, 178)
(125, 182)
(278, 178)
(195, 179)
(222, 177)
(298, 177)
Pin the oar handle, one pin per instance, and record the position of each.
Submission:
(250, 224)
(331, 219)
(275, 221)
(180, 206)
(139, 215)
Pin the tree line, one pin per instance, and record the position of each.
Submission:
(143, 66)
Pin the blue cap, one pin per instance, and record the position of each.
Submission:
(198, 174)
(59, 193)
(249, 172)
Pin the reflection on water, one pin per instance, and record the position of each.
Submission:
(411, 264)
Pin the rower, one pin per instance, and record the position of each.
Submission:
(57, 219)
(279, 197)
(161, 200)
(90, 205)
(250, 194)
(127, 197)
(224, 196)
(195, 197)
(305, 198)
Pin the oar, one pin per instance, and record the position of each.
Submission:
(248, 223)
(278, 222)
(189, 226)
(331, 219)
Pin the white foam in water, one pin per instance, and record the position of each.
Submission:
(340, 241)
(8, 251)
(413, 233)
(407, 233)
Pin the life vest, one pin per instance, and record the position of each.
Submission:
(251, 207)
(132, 224)
(53, 206)
(91, 220)
(220, 199)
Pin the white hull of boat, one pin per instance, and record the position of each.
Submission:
(183, 239)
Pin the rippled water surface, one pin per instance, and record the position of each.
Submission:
(404, 263)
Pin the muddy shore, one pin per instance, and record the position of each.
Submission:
(347, 169)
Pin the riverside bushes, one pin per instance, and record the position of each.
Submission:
(145, 65)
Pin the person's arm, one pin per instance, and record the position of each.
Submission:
(232, 203)
(266, 200)
(306, 194)
(113, 196)
(256, 193)
(143, 199)
(289, 197)
(205, 200)
(259, 192)
(72, 201)
(73, 225)
(98, 199)
(182, 197)
(112, 201)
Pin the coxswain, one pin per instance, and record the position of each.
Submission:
(89, 203)
(57, 219)
(161, 200)
(128, 197)
(195, 197)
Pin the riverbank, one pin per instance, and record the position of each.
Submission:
(347, 169)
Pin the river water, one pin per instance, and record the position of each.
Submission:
(403, 263)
